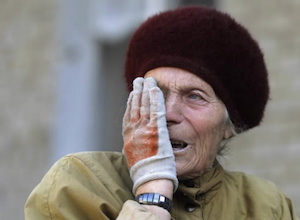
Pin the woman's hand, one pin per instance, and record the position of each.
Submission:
(147, 145)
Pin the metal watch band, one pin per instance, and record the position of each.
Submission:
(155, 199)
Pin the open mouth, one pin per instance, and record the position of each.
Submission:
(178, 145)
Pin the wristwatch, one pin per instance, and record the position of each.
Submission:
(155, 199)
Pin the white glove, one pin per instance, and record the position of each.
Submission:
(147, 144)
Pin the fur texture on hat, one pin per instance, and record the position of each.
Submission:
(211, 45)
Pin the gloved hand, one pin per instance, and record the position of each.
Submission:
(147, 144)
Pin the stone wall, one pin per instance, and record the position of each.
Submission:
(27, 97)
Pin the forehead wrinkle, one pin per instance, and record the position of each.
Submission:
(190, 85)
(164, 86)
(186, 86)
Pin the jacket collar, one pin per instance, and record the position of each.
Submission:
(205, 187)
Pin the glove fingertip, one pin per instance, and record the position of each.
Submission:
(138, 83)
(150, 82)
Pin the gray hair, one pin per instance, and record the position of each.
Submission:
(234, 131)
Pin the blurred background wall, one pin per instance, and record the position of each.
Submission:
(62, 88)
(28, 96)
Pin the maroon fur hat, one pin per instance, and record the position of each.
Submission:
(211, 45)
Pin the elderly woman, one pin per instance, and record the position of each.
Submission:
(197, 78)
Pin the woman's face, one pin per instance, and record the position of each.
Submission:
(196, 119)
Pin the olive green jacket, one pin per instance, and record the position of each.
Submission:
(96, 185)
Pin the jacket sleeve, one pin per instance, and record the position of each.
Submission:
(133, 210)
(288, 211)
(76, 188)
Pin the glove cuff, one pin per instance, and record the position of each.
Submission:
(154, 168)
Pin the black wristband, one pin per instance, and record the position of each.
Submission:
(155, 199)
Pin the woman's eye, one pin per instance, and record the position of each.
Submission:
(195, 96)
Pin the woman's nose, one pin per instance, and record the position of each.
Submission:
(173, 111)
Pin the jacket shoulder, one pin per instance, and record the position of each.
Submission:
(246, 181)
(97, 180)
(258, 195)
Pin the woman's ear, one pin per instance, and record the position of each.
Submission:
(228, 133)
